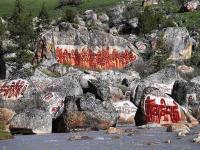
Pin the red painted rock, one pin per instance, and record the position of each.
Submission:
(157, 107)
(55, 104)
(13, 90)
(86, 49)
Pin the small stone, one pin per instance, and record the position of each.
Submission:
(79, 137)
(168, 141)
(113, 130)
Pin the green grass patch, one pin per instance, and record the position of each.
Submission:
(3, 134)
(34, 6)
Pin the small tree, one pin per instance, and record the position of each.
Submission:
(69, 14)
(21, 28)
(147, 21)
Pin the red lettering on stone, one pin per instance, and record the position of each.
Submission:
(103, 59)
(161, 112)
(13, 90)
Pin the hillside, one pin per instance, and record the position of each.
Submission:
(34, 6)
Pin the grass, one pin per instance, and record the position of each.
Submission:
(34, 6)
(3, 134)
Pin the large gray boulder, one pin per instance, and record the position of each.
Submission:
(89, 112)
(31, 121)
(177, 40)
(187, 94)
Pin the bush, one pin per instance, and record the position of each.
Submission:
(150, 20)
(69, 14)
(147, 21)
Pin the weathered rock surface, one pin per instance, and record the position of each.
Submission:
(177, 40)
(187, 94)
(116, 14)
(126, 110)
(163, 80)
(83, 48)
(89, 112)
(32, 120)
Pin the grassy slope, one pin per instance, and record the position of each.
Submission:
(6, 6)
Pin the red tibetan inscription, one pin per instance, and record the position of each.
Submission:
(13, 90)
(103, 59)
(161, 113)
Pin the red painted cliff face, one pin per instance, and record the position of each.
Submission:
(160, 112)
(103, 59)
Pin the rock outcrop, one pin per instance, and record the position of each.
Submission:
(31, 121)
(87, 49)
(177, 40)
(89, 112)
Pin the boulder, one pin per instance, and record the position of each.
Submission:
(89, 112)
(196, 80)
(126, 110)
(116, 14)
(31, 121)
(92, 49)
(100, 89)
(197, 139)
(141, 46)
(191, 6)
(113, 130)
(133, 23)
(185, 69)
(116, 78)
(104, 18)
(58, 69)
(177, 40)
(157, 107)
(187, 94)
(163, 80)
(116, 94)
(55, 104)
(181, 129)
(5, 117)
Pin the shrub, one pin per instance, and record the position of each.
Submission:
(69, 14)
